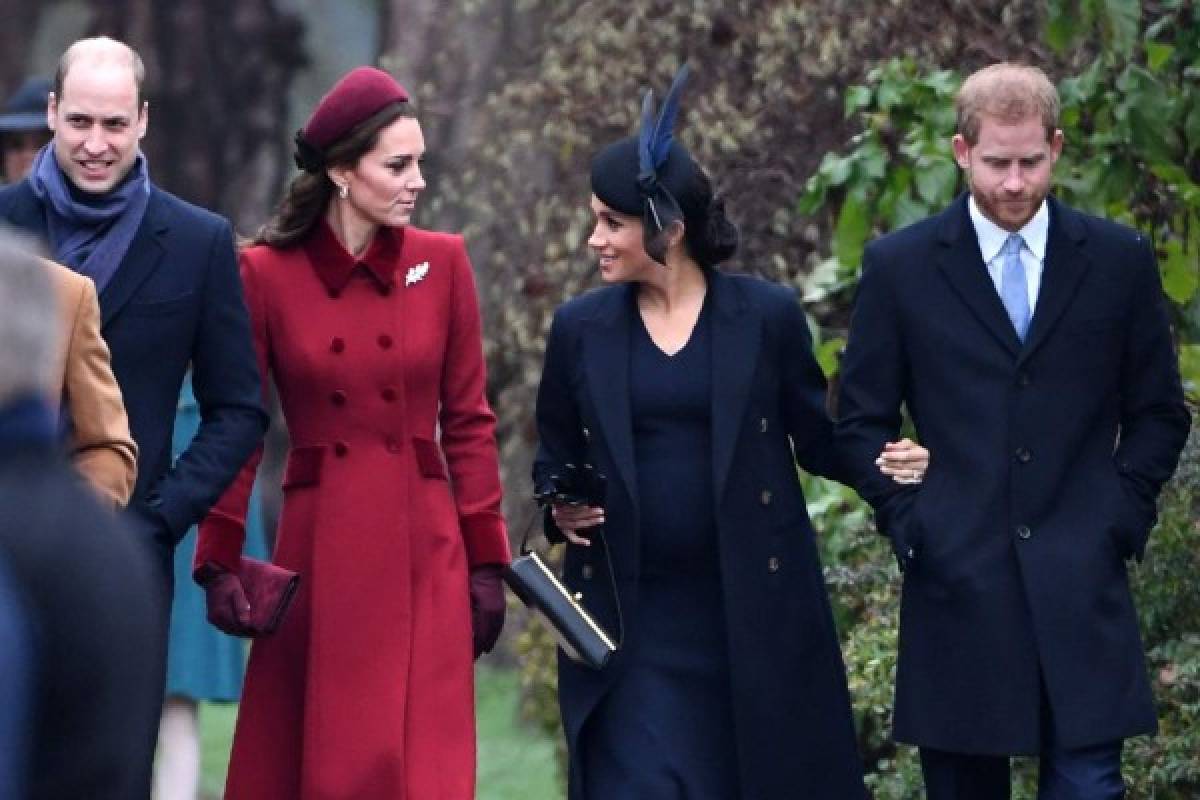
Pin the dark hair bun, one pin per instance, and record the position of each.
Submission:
(718, 240)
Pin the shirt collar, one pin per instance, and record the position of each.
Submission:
(992, 237)
(335, 266)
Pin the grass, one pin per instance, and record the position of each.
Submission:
(515, 761)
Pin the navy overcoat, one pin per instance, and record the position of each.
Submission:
(175, 300)
(794, 730)
(1047, 458)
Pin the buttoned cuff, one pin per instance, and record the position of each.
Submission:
(485, 539)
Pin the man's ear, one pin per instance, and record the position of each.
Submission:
(962, 151)
(51, 110)
(143, 119)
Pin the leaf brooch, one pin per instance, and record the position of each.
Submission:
(417, 273)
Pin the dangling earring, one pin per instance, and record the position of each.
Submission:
(343, 190)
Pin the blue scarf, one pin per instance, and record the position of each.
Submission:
(90, 236)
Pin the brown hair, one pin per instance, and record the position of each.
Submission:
(308, 194)
(1011, 92)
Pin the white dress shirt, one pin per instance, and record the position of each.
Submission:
(1033, 252)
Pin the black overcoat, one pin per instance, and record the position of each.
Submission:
(794, 730)
(1047, 458)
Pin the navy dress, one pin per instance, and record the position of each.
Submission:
(666, 729)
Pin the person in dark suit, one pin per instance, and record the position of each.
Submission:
(1030, 344)
(169, 291)
(80, 593)
(695, 393)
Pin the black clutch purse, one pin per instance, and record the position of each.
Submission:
(581, 638)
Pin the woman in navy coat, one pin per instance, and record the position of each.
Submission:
(696, 394)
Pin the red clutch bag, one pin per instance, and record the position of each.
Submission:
(269, 589)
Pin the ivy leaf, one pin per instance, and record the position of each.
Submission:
(1179, 272)
(829, 355)
(936, 180)
(1189, 368)
(1157, 54)
(857, 98)
(1062, 24)
(853, 227)
(1123, 18)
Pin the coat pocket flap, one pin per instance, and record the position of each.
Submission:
(429, 458)
(304, 466)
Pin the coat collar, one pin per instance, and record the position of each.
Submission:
(334, 265)
(961, 261)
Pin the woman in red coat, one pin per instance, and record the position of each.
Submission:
(371, 330)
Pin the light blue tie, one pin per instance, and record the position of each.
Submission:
(1014, 292)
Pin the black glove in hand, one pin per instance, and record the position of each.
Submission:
(486, 583)
(228, 608)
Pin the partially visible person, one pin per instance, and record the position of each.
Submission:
(92, 411)
(86, 585)
(23, 128)
(166, 274)
(696, 393)
(371, 329)
(1031, 344)
(203, 664)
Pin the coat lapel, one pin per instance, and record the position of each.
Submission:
(144, 255)
(961, 262)
(1065, 266)
(606, 344)
(736, 341)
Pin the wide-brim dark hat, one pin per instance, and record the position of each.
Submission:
(26, 109)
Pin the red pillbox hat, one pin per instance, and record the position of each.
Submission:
(352, 100)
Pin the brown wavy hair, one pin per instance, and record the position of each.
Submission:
(308, 194)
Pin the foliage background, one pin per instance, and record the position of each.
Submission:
(823, 122)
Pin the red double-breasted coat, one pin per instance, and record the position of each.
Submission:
(391, 494)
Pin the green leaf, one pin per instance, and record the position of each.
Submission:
(853, 227)
(1062, 24)
(1157, 55)
(1179, 272)
(936, 180)
(829, 355)
(1122, 18)
(857, 98)
(1189, 368)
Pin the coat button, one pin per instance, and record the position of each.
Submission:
(765, 497)
(392, 444)
(388, 395)
(340, 449)
(384, 340)
(337, 345)
(586, 572)
(773, 564)
(587, 435)
(337, 397)
(762, 425)
(1024, 532)
(1023, 455)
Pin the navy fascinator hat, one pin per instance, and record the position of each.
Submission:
(649, 175)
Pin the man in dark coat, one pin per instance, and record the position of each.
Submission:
(1030, 344)
(169, 291)
(79, 600)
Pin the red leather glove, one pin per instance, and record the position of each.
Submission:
(487, 605)
(228, 608)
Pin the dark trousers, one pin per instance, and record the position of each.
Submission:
(1087, 773)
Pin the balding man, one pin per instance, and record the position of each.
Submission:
(167, 279)
(170, 296)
